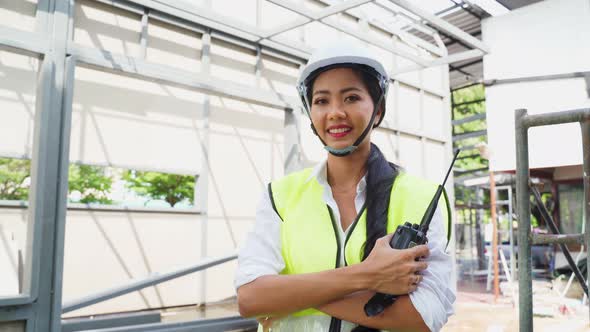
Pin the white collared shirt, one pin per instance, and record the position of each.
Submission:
(261, 254)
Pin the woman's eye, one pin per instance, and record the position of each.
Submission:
(352, 98)
(320, 101)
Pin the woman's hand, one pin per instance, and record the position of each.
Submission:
(394, 271)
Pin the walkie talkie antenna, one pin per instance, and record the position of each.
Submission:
(427, 218)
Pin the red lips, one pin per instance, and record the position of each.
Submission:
(339, 130)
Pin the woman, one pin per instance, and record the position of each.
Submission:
(319, 250)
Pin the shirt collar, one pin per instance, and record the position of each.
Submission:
(320, 173)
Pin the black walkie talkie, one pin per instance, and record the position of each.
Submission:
(406, 236)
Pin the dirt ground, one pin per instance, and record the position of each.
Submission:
(477, 311)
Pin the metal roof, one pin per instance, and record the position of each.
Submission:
(466, 16)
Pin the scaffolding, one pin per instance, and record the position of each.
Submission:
(523, 122)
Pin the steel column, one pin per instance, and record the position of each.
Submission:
(585, 126)
(525, 289)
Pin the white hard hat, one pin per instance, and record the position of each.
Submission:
(341, 53)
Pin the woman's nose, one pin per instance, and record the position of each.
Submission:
(336, 112)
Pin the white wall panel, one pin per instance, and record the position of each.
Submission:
(433, 79)
(436, 162)
(409, 108)
(107, 28)
(387, 143)
(312, 148)
(108, 249)
(18, 14)
(434, 116)
(18, 85)
(13, 237)
(279, 76)
(240, 140)
(412, 77)
(174, 46)
(141, 124)
(550, 39)
(410, 155)
(233, 63)
(548, 146)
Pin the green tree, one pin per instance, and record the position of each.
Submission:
(473, 103)
(469, 102)
(14, 179)
(91, 182)
(172, 188)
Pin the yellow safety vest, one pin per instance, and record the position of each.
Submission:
(309, 233)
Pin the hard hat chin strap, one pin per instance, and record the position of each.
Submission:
(350, 149)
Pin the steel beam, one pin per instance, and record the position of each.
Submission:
(301, 10)
(578, 115)
(581, 74)
(325, 12)
(133, 67)
(466, 55)
(208, 19)
(103, 208)
(52, 151)
(438, 49)
(30, 43)
(15, 300)
(201, 325)
(443, 25)
(468, 119)
(472, 134)
(110, 321)
(39, 180)
(143, 283)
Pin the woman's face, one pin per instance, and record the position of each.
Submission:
(341, 107)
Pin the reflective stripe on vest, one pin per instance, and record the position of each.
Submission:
(309, 234)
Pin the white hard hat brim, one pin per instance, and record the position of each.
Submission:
(312, 67)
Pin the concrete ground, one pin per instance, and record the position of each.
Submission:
(476, 310)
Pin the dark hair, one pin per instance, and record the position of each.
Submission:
(370, 81)
(380, 177)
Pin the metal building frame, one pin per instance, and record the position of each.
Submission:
(525, 239)
(40, 303)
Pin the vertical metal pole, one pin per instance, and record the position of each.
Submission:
(494, 235)
(586, 178)
(203, 180)
(143, 38)
(62, 192)
(481, 264)
(512, 255)
(292, 148)
(525, 290)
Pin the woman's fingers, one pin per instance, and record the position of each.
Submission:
(420, 251)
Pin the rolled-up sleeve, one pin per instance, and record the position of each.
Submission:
(435, 296)
(260, 254)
